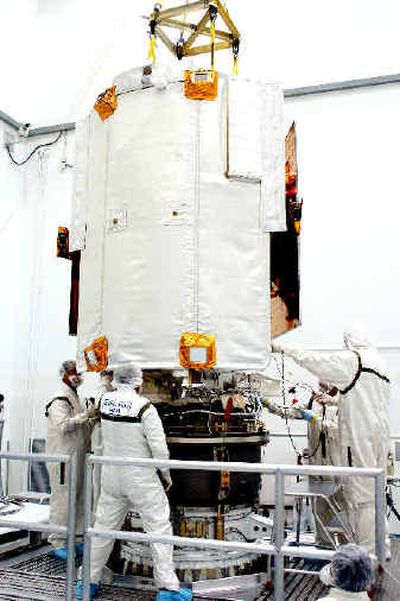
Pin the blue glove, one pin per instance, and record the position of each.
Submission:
(308, 415)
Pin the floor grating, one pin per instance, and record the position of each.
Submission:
(38, 576)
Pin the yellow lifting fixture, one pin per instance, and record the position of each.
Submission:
(176, 18)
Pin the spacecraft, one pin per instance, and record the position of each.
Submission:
(179, 182)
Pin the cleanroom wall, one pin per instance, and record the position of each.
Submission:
(35, 292)
(348, 160)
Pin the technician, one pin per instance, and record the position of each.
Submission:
(106, 385)
(131, 427)
(68, 432)
(350, 573)
(360, 375)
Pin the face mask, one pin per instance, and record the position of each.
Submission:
(75, 381)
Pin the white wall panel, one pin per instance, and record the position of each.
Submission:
(35, 295)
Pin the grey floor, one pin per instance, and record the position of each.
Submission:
(37, 576)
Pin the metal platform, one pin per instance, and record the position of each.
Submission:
(38, 576)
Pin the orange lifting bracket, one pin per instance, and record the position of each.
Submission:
(175, 18)
(96, 354)
(201, 84)
(197, 351)
(106, 103)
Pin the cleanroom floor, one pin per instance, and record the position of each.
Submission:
(37, 576)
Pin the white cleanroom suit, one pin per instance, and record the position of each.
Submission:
(360, 375)
(321, 413)
(336, 594)
(323, 436)
(97, 438)
(324, 449)
(131, 427)
(68, 432)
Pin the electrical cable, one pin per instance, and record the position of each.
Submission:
(282, 373)
(35, 324)
(285, 406)
(30, 155)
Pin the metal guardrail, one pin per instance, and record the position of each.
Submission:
(69, 529)
(277, 549)
(305, 435)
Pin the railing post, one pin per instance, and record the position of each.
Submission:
(71, 525)
(278, 536)
(87, 505)
(380, 517)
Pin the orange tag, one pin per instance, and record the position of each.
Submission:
(96, 354)
(106, 103)
(63, 242)
(197, 351)
(201, 85)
